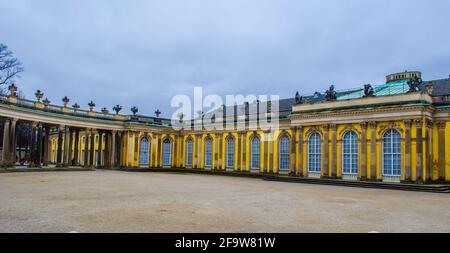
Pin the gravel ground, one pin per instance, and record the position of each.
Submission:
(114, 201)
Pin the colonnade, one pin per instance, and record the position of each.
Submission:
(68, 145)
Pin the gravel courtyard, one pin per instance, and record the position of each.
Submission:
(114, 201)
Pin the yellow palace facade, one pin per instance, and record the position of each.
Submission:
(395, 132)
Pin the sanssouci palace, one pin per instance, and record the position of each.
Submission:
(397, 132)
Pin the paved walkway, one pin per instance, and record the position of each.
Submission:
(116, 201)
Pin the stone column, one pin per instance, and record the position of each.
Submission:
(407, 150)
(5, 148)
(105, 150)
(441, 150)
(46, 145)
(119, 155)
(325, 152)
(86, 147)
(101, 158)
(76, 149)
(429, 150)
(373, 151)
(333, 151)
(363, 167)
(300, 151)
(13, 149)
(39, 146)
(112, 154)
(92, 150)
(32, 160)
(66, 146)
(419, 151)
(271, 143)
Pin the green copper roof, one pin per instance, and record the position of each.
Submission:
(393, 88)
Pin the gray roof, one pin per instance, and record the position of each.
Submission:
(440, 87)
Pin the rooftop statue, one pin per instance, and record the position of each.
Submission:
(298, 99)
(330, 94)
(414, 84)
(368, 91)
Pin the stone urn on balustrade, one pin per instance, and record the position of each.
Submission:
(38, 104)
(91, 109)
(12, 97)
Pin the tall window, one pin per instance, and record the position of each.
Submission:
(208, 152)
(189, 153)
(315, 153)
(255, 152)
(283, 152)
(167, 152)
(350, 153)
(392, 153)
(144, 154)
(230, 152)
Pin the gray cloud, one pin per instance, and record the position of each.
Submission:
(144, 52)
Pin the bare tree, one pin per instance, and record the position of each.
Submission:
(10, 66)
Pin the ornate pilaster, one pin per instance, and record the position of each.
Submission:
(293, 153)
(221, 151)
(325, 152)
(441, 149)
(271, 143)
(160, 162)
(363, 167)
(419, 151)
(266, 151)
(373, 151)
(244, 151)
(239, 151)
(429, 150)
(300, 151)
(407, 150)
(333, 151)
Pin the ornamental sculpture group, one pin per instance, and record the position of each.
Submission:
(368, 91)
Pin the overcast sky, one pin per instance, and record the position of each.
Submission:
(142, 53)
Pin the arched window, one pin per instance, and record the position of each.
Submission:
(144, 152)
(315, 153)
(230, 152)
(208, 152)
(167, 152)
(283, 152)
(255, 153)
(392, 153)
(350, 153)
(189, 153)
